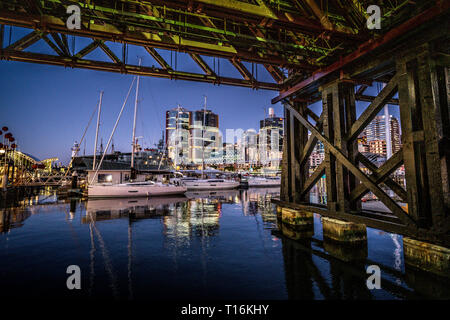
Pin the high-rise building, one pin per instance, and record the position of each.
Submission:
(249, 147)
(376, 131)
(177, 135)
(205, 139)
(378, 147)
(270, 140)
(317, 155)
(193, 136)
(395, 135)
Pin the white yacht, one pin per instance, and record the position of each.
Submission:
(264, 181)
(134, 189)
(208, 184)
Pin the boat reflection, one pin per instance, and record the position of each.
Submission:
(134, 208)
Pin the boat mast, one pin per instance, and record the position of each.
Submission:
(203, 137)
(96, 131)
(133, 142)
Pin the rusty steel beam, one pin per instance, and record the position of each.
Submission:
(15, 55)
(47, 24)
(367, 47)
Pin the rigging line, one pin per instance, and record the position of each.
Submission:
(114, 129)
(155, 105)
(82, 138)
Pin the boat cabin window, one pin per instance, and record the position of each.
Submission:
(104, 177)
(216, 180)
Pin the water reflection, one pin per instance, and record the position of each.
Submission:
(221, 244)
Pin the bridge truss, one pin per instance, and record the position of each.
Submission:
(290, 39)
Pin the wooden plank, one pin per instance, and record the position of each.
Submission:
(284, 188)
(373, 109)
(339, 111)
(361, 89)
(312, 179)
(380, 175)
(293, 163)
(388, 202)
(302, 134)
(433, 104)
(352, 146)
(311, 143)
(366, 98)
(329, 159)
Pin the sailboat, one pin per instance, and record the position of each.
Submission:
(264, 181)
(134, 188)
(207, 184)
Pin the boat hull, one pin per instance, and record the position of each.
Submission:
(109, 191)
(202, 185)
(264, 183)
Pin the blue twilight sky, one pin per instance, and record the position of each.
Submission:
(48, 107)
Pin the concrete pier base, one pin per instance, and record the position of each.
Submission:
(426, 256)
(343, 231)
(295, 224)
(298, 218)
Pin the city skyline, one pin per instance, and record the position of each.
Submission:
(67, 104)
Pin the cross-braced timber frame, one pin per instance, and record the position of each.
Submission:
(416, 69)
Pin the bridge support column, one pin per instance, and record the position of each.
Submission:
(423, 90)
(426, 256)
(339, 110)
(294, 172)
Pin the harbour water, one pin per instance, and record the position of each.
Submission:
(218, 245)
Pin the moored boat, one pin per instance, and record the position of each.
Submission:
(264, 182)
(134, 189)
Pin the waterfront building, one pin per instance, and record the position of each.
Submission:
(177, 135)
(205, 140)
(317, 155)
(376, 131)
(270, 140)
(378, 147)
(249, 147)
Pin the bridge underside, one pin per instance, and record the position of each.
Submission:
(414, 69)
(314, 51)
(290, 39)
